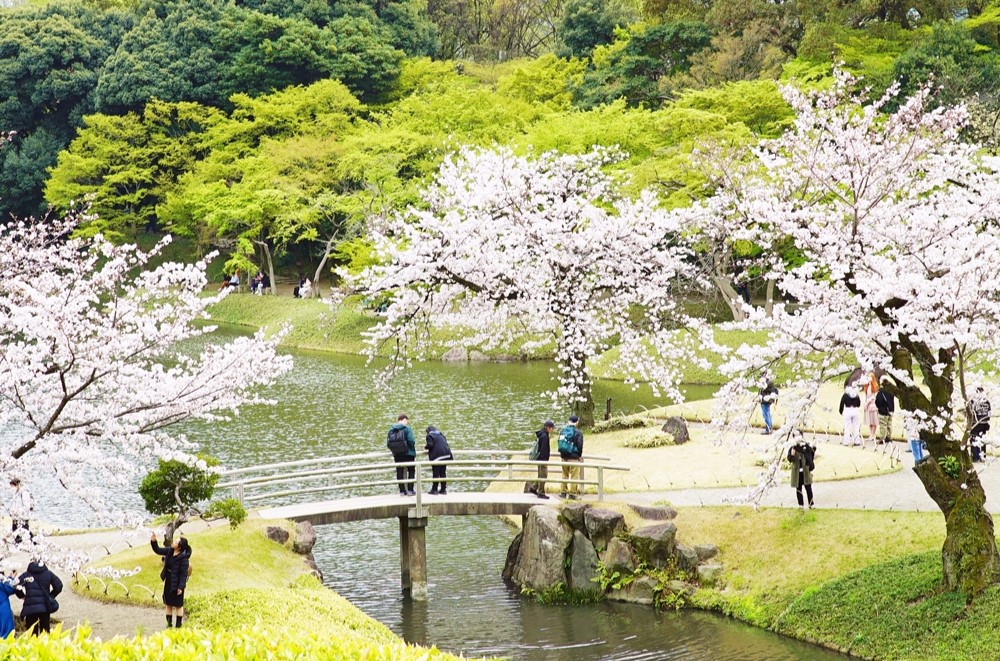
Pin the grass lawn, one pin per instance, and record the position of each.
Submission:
(262, 564)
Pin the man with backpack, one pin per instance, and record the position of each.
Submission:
(571, 450)
(403, 447)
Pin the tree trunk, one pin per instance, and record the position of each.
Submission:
(769, 304)
(319, 269)
(172, 527)
(969, 558)
(729, 294)
(270, 266)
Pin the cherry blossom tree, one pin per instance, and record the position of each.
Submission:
(91, 376)
(525, 251)
(898, 225)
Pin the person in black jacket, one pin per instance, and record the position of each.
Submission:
(438, 450)
(886, 405)
(39, 588)
(176, 562)
(802, 457)
(979, 414)
(544, 450)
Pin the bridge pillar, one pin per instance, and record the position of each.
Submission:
(413, 554)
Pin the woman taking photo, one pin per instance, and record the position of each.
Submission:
(176, 564)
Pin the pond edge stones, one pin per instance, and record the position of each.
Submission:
(568, 546)
(302, 543)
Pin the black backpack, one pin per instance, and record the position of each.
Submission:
(397, 441)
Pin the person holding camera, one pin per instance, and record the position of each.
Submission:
(802, 457)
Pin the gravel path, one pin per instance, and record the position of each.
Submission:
(900, 490)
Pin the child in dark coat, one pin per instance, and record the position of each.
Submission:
(438, 450)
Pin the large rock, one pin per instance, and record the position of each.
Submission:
(583, 565)
(478, 357)
(277, 534)
(455, 355)
(708, 575)
(618, 557)
(686, 557)
(544, 544)
(655, 544)
(678, 429)
(305, 538)
(680, 588)
(706, 551)
(573, 515)
(655, 513)
(513, 551)
(640, 591)
(602, 526)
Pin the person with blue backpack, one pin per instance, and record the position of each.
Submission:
(403, 447)
(571, 450)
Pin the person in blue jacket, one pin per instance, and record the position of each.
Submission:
(6, 614)
(438, 450)
(404, 474)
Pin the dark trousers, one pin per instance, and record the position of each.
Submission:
(809, 492)
(404, 472)
(439, 473)
(20, 524)
(539, 485)
(37, 623)
(976, 439)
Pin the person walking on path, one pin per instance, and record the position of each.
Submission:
(850, 408)
(979, 416)
(7, 589)
(176, 568)
(438, 450)
(541, 452)
(802, 456)
(39, 588)
(571, 450)
(885, 403)
(768, 398)
(401, 443)
(21, 506)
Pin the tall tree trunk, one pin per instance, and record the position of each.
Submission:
(969, 557)
(270, 266)
(319, 269)
(769, 304)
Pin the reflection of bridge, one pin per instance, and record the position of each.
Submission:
(286, 491)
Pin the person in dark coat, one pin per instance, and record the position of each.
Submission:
(979, 413)
(885, 403)
(176, 563)
(802, 457)
(405, 474)
(542, 453)
(438, 450)
(39, 588)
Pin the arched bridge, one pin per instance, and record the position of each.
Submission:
(300, 490)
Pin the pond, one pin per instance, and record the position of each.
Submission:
(326, 406)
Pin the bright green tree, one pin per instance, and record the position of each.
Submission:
(176, 487)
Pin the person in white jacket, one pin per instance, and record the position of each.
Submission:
(20, 509)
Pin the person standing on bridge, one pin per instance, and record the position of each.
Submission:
(541, 452)
(404, 450)
(571, 450)
(438, 450)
